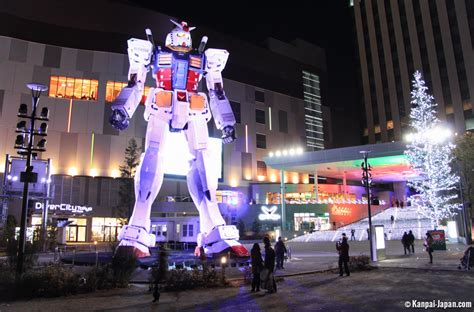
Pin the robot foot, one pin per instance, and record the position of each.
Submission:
(233, 247)
(128, 247)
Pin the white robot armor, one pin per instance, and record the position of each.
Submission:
(175, 105)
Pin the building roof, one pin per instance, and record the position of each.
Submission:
(388, 162)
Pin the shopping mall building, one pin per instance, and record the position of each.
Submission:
(277, 93)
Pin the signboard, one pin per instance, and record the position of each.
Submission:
(269, 214)
(66, 208)
(439, 239)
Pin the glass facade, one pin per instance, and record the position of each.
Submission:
(105, 229)
(313, 112)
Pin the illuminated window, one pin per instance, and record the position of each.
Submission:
(73, 88)
(113, 89)
(261, 168)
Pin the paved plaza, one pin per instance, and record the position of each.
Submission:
(306, 284)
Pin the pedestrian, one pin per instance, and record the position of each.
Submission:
(368, 234)
(353, 234)
(392, 219)
(159, 276)
(343, 248)
(397, 203)
(429, 245)
(401, 204)
(411, 241)
(405, 243)
(257, 266)
(280, 250)
(269, 264)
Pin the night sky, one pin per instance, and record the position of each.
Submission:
(326, 23)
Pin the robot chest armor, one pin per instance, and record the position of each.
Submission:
(178, 71)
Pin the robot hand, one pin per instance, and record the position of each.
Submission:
(228, 134)
(119, 119)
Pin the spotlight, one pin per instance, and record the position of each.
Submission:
(23, 110)
(299, 151)
(271, 154)
(21, 126)
(43, 128)
(44, 113)
(41, 144)
(278, 153)
(9, 177)
(15, 178)
(285, 152)
(292, 152)
(19, 140)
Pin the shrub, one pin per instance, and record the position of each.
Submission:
(359, 263)
(50, 281)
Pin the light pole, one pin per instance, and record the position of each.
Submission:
(366, 180)
(28, 176)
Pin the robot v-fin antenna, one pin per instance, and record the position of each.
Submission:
(176, 23)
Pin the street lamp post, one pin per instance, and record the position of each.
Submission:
(366, 177)
(28, 176)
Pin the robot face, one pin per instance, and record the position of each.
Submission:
(179, 39)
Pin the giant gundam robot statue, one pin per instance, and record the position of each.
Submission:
(176, 105)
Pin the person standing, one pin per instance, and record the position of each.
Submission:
(411, 241)
(280, 250)
(429, 245)
(343, 248)
(269, 264)
(405, 243)
(257, 266)
(368, 234)
(353, 234)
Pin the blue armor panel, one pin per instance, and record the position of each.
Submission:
(180, 73)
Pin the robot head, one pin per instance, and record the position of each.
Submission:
(179, 39)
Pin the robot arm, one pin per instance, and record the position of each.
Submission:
(139, 55)
(220, 106)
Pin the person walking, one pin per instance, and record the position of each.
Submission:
(429, 246)
(257, 266)
(353, 234)
(392, 219)
(368, 234)
(280, 250)
(405, 243)
(411, 241)
(343, 248)
(269, 264)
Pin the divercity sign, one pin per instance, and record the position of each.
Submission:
(64, 208)
(268, 214)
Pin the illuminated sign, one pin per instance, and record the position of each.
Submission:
(268, 214)
(340, 211)
(177, 156)
(64, 208)
(379, 237)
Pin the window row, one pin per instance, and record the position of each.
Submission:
(86, 89)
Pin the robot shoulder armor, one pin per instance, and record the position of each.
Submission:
(139, 50)
(216, 59)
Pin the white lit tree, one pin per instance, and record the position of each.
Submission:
(430, 153)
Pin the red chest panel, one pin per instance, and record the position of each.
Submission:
(193, 81)
(163, 78)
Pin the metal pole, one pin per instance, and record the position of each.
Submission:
(282, 190)
(24, 205)
(36, 90)
(367, 189)
(45, 208)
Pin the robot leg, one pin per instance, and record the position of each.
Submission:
(214, 236)
(148, 181)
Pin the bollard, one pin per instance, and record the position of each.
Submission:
(96, 258)
(73, 256)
